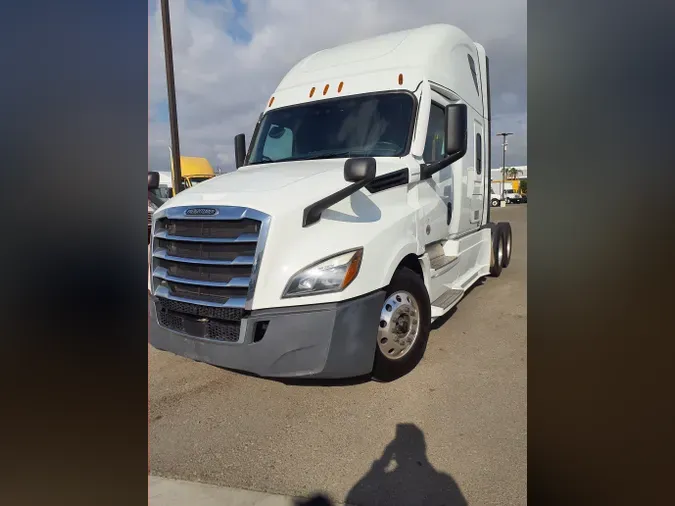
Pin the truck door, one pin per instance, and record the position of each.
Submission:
(437, 191)
(477, 174)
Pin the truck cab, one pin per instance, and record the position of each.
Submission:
(512, 196)
(194, 170)
(359, 214)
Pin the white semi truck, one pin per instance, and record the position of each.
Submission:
(359, 214)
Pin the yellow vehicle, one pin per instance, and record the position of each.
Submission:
(194, 170)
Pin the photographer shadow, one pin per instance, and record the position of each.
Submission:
(402, 476)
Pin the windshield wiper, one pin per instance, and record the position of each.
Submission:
(341, 154)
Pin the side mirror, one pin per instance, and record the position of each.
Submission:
(239, 149)
(153, 180)
(455, 129)
(358, 170)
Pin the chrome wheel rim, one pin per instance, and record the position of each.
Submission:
(399, 325)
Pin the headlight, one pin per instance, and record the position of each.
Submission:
(333, 274)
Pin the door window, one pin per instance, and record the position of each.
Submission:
(434, 147)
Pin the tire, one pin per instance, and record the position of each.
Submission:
(395, 357)
(507, 235)
(494, 203)
(497, 251)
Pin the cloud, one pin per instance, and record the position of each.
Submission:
(229, 55)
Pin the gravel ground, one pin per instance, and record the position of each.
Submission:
(451, 432)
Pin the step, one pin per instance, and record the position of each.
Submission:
(439, 262)
(437, 257)
(447, 299)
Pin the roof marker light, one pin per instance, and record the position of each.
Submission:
(311, 92)
(271, 102)
(325, 89)
(340, 86)
(400, 79)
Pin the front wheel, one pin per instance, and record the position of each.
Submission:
(405, 323)
(495, 203)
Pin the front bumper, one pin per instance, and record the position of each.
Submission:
(334, 340)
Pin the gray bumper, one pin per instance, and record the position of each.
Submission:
(335, 340)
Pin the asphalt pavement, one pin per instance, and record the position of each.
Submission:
(453, 431)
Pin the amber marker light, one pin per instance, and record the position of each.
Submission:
(353, 269)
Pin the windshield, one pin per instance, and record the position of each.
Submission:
(369, 125)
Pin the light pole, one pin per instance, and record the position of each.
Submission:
(504, 136)
(176, 173)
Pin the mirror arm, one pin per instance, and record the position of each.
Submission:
(312, 213)
(429, 169)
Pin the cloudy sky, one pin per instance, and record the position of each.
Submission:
(229, 55)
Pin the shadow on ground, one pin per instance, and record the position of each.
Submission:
(402, 476)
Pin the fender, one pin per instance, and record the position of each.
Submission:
(405, 249)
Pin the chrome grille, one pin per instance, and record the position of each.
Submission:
(204, 268)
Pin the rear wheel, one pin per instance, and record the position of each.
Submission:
(508, 242)
(497, 251)
(405, 323)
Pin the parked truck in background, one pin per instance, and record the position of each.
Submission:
(359, 215)
(514, 197)
(164, 190)
(194, 170)
(154, 201)
(495, 199)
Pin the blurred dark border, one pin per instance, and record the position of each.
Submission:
(74, 105)
(601, 251)
(74, 325)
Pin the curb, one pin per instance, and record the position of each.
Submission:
(170, 492)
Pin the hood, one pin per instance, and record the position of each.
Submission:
(272, 176)
(275, 188)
